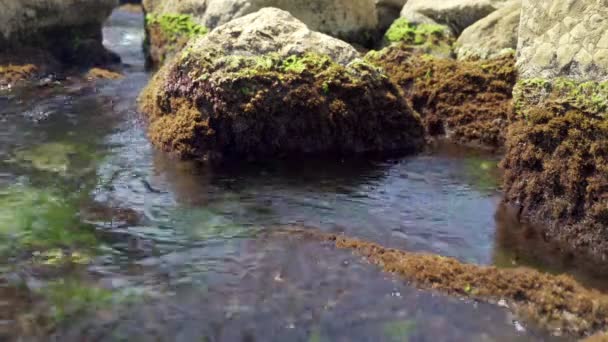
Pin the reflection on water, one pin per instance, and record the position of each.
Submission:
(195, 243)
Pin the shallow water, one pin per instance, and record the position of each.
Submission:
(194, 247)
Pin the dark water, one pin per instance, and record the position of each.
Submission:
(173, 251)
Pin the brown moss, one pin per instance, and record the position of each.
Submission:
(241, 107)
(556, 169)
(469, 101)
(600, 337)
(103, 74)
(555, 302)
(12, 74)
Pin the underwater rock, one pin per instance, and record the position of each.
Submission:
(470, 102)
(554, 302)
(265, 86)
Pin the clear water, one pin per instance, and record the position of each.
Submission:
(194, 247)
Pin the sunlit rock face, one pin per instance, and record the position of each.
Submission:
(566, 38)
(352, 20)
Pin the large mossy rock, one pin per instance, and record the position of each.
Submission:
(557, 161)
(556, 168)
(564, 38)
(352, 20)
(265, 86)
(38, 36)
(469, 102)
(457, 15)
(493, 35)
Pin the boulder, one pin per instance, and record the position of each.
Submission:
(457, 15)
(493, 35)
(45, 34)
(266, 86)
(556, 167)
(353, 20)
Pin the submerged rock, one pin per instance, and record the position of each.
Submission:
(555, 302)
(264, 85)
(469, 101)
(353, 20)
(457, 15)
(47, 34)
(493, 35)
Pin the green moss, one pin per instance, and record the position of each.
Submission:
(174, 25)
(591, 97)
(70, 298)
(404, 31)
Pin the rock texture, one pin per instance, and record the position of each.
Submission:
(455, 14)
(46, 33)
(564, 38)
(493, 35)
(352, 20)
(468, 102)
(265, 86)
(556, 168)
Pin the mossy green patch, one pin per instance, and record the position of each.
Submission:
(176, 24)
(404, 31)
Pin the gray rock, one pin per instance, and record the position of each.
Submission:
(492, 35)
(455, 14)
(564, 38)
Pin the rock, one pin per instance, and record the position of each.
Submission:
(54, 32)
(388, 11)
(493, 35)
(457, 15)
(265, 86)
(468, 102)
(103, 74)
(556, 167)
(564, 39)
(353, 20)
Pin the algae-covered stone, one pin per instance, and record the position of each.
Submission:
(266, 86)
(469, 102)
(457, 15)
(168, 33)
(428, 38)
(493, 35)
(556, 169)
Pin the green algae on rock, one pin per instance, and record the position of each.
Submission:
(276, 97)
(469, 101)
(556, 169)
(168, 33)
(428, 38)
(554, 302)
